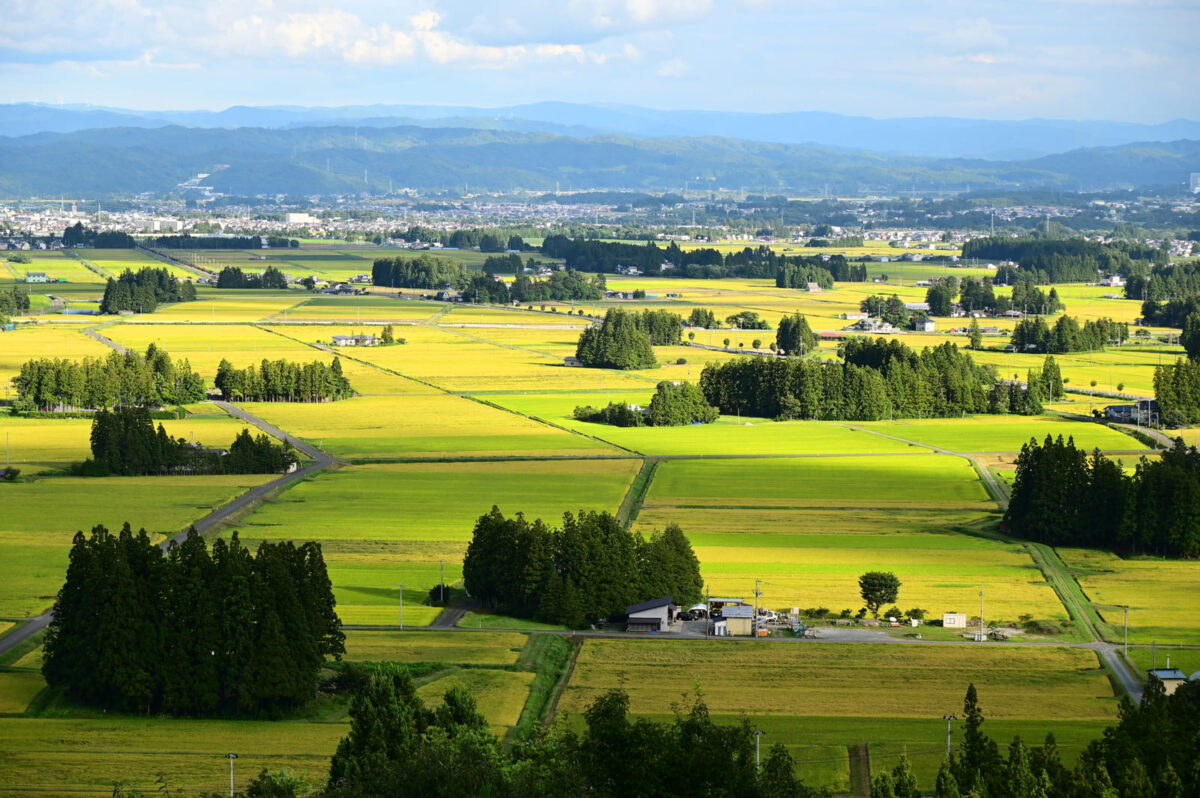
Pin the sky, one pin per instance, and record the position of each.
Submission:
(1126, 60)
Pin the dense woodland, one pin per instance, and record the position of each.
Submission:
(1073, 260)
(673, 405)
(124, 442)
(141, 292)
(187, 241)
(561, 286)
(1062, 496)
(234, 277)
(1165, 281)
(589, 569)
(1177, 389)
(13, 300)
(191, 632)
(618, 342)
(879, 379)
(397, 747)
(421, 271)
(283, 381)
(92, 383)
(1034, 335)
(1172, 313)
(79, 236)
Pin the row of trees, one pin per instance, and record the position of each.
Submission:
(398, 747)
(79, 236)
(673, 405)
(618, 342)
(1072, 260)
(561, 286)
(1165, 281)
(1063, 496)
(1172, 313)
(1177, 389)
(143, 291)
(283, 381)
(800, 272)
(590, 568)
(188, 241)
(189, 631)
(234, 277)
(879, 379)
(119, 379)
(421, 271)
(124, 441)
(13, 300)
(1034, 335)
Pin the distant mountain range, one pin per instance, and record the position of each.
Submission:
(326, 159)
(938, 137)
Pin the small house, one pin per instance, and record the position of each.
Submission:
(954, 620)
(572, 362)
(854, 316)
(356, 340)
(1170, 678)
(739, 620)
(924, 325)
(813, 288)
(36, 277)
(654, 615)
(917, 306)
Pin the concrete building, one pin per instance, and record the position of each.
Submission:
(954, 620)
(299, 218)
(1194, 182)
(654, 615)
(36, 277)
(739, 620)
(924, 325)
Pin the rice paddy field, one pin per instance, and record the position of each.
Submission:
(476, 409)
(818, 698)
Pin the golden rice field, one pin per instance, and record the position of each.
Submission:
(449, 648)
(806, 678)
(216, 306)
(1160, 594)
(499, 695)
(116, 261)
(29, 341)
(17, 689)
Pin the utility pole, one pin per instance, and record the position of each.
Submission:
(231, 757)
(758, 733)
(1126, 608)
(401, 608)
(442, 579)
(949, 720)
(982, 634)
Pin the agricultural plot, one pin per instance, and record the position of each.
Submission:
(499, 695)
(563, 315)
(808, 527)
(818, 698)
(28, 341)
(1160, 594)
(55, 264)
(116, 261)
(1001, 433)
(448, 648)
(66, 440)
(17, 689)
(385, 525)
(59, 756)
(358, 309)
(214, 305)
(1146, 657)
(35, 541)
(427, 426)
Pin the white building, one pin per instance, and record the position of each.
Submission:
(299, 218)
(954, 620)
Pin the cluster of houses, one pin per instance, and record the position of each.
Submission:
(724, 617)
(356, 340)
(1144, 412)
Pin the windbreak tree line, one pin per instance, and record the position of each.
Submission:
(1177, 389)
(1165, 281)
(141, 292)
(673, 405)
(879, 379)
(399, 747)
(1034, 335)
(188, 241)
(120, 379)
(422, 271)
(1172, 313)
(618, 342)
(1072, 260)
(561, 286)
(125, 442)
(191, 632)
(79, 236)
(1062, 496)
(588, 569)
(283, 381)
(234, 277)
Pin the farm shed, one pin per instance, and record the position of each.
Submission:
(654, 615)
(954, 620)
(739, 619)
(1169, 677)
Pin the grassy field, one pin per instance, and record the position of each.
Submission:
(499, 695)
(52, 756)
(17, 689)
(1186, 659)
(116, 261)
(406, 518)
(449, 648)
(838, 693)
(35, 541)
(1160, 594)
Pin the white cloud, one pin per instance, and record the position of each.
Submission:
(971, 37)
(672, 68)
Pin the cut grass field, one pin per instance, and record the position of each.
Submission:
(830, 695)
(1160, 594)
(407, 517)
(448, 648)
(65, 756)
(35, 539)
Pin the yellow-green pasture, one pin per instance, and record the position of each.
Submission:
(385, 525)
(41, 517)
(1160, 594)
(116, 261)
(64, 440)
(30, 341)
(64, 756)
(817, 699)
(1000, 433)
(449, 648)
(353, 309)
(428, 425)
(223, 306)
(56, 264)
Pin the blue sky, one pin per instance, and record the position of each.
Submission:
(1070, 59)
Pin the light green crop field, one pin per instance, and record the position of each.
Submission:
(49, 755)
(499, 695)
(37, 440)
(807, 694)
(427, 426)
(35, 540)
(1185, 659)
(118, 260)
(449, 648)
(1160, 594)
(1001, 433)
(56, 265)
(408, 518)
(17, 689)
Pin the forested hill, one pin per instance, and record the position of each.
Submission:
(323, 160)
